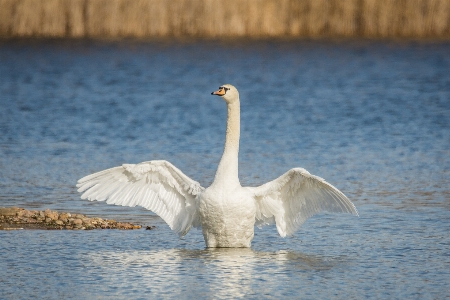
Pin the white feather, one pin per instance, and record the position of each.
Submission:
(128, 185)
(296, 196)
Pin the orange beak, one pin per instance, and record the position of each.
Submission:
(219, 92)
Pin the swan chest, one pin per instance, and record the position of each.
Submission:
(228, 217)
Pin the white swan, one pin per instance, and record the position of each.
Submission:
(226, 211)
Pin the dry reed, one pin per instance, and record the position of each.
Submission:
(232, 18)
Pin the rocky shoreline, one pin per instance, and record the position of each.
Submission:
(13, 218)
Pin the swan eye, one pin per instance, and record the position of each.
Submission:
(224, 88)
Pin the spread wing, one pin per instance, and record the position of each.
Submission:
(295, 196)
(155, 185)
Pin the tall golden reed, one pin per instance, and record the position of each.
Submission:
(231, 18)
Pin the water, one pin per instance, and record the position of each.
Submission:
(370, 117)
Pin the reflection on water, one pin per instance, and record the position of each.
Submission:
(372, 118)
(223, 272)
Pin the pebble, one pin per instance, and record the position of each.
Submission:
(53, 215)
(77, 222)
(58, 220)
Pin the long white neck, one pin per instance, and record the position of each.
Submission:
(227, 172)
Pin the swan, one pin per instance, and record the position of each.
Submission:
(226, 212)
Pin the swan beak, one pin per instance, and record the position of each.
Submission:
(219, 92)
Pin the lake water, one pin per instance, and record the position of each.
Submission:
(372, 118)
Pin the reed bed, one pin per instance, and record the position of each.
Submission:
(231, 18)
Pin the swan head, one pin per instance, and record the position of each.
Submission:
(228, 92)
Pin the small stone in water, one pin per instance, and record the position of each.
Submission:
(77, 222)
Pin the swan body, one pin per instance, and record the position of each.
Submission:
(226, 212)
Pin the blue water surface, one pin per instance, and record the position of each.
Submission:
(372, 118)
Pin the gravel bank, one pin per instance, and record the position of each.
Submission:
(12, 218)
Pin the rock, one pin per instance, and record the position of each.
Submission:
(122, 225)
(32, 214)
(24, 214)
(10, 211)
(59, 222)
(64, 216)
(51, 214)
(76, 222)
(86, 221)
(48, 220)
